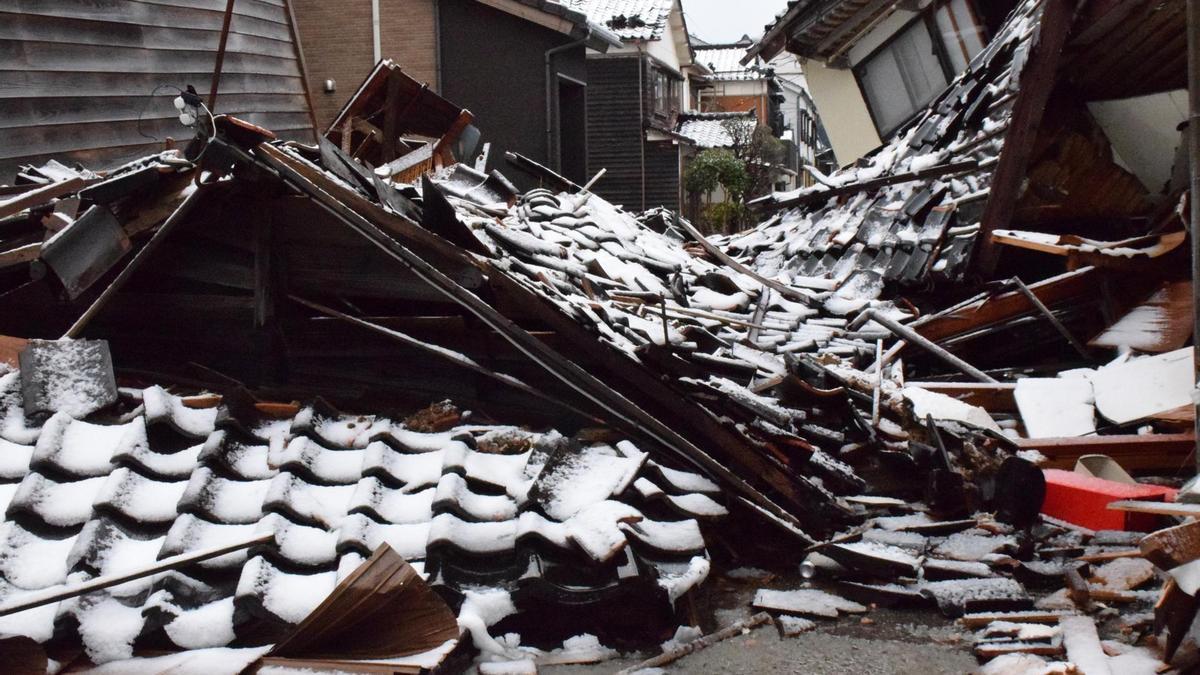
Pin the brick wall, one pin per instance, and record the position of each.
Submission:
(739, 104)
(409, 36)
(337, 42)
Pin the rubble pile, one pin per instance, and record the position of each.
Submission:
(630, 402)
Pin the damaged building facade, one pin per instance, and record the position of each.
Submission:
(248, 377)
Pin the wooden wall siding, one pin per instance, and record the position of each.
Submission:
(615, 129)
(76, 75)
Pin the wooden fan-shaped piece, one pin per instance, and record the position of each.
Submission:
(383, 610)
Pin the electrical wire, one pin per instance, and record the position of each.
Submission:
(146, 104)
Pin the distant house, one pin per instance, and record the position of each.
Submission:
(873, 65)
(777, 93)
(635, 95)
(733, 86)
(518, 65)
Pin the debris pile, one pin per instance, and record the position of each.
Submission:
(630, 402)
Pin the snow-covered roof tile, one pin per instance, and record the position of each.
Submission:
(725, 62)
(630, 19)
(331, 487)
(712, 130)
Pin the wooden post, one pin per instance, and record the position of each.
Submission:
(1036, 83)
(216, 78)
(1193, 31)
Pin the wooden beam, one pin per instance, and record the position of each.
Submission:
(785, 291)
(815, 194)
(1009, 305)
(1157, 508)
(1037, 80)
(992, 397)
(40, 196)
(857, 19)
(1161, 452)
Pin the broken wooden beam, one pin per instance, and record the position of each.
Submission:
(814, 195)
(1134, 452)
(39, 196)
(696, 645)
(911, 336)
(1179, 509)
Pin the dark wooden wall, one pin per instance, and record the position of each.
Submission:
(76, 76)
(494, 65)
(616, 138)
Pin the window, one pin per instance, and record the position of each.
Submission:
(961, 33)
(666, 93)
(905, 74)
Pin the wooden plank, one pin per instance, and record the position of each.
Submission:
(72, 30)
(39, 196)
(992, 397)
(20, 254)
(1133, 452)
(143, 13)
(981, 619)
(1005, 306)
(1173, 546)
(18, 113)
(10, 349)
(1161, 323)
(1156, 508)
(1036, 82)
(51, 57)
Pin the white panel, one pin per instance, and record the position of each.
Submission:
(1144, 133)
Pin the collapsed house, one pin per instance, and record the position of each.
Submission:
(752, 391)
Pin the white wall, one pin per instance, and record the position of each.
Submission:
(843, 111)
(1143, 133)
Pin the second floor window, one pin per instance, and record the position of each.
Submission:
(666, 93)
(906, 73)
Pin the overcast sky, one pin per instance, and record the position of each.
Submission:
(728, 20)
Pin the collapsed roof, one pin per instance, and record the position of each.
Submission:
(751, 366)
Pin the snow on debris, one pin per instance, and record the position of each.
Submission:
(806, 602)
(74, 377)
(330, 496)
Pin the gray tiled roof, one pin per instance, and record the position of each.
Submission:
(630, 19)
(711, 130)
(86, 498)
(725, 62)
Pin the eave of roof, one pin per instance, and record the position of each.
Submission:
(560, 18)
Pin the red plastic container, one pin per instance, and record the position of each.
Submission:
(1083, 500)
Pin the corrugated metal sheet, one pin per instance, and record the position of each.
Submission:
(77, 76)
